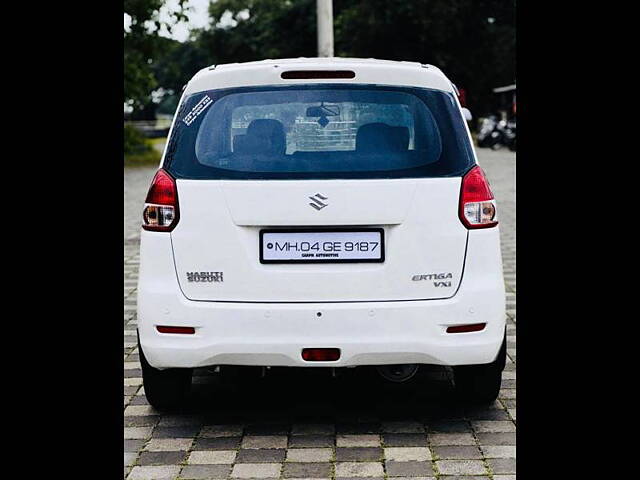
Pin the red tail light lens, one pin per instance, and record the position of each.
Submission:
(320, 354)
(161, 206)
(477, 204)
(474, 327)
(170, 329)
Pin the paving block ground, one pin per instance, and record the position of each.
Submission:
(307, 425)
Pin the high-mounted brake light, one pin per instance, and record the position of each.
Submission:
(161, 212)
(309, 74)
(477, 204)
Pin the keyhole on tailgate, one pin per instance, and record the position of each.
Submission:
(319, 314)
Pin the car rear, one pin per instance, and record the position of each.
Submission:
(320, 214)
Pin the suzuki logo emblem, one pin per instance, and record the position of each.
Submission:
(318, 204)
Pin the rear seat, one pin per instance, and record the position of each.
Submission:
(265, 141)
(381, 138)
(264, 137)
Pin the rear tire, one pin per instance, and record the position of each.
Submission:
(480, 383)
(164, 389)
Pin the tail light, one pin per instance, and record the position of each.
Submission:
(320, 354)
(180, 330)
(473, 327)
(161, 212)
(477, 204)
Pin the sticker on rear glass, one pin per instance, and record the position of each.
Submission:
(197, 110)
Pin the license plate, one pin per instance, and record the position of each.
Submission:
(322, 246)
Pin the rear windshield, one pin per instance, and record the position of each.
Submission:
(318, 132)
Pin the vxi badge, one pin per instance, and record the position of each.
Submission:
(435, 276)
(318, 204)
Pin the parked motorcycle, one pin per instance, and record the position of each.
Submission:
(488, 134)
(495, 134)
(510, 135)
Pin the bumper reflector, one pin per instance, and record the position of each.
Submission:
(473, 327)
(320, 354)
(167, 329)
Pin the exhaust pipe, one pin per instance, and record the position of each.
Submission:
(398, 373)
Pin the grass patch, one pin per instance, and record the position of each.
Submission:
(157, 141)
(142, 158)
(140, 151)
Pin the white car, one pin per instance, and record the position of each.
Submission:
(320, 212)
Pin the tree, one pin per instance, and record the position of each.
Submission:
(272, 29)
(473, 41)
(275, 29)
(141, 47)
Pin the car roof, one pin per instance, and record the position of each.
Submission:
(367, 71)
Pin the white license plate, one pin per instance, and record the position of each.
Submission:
(322, 246)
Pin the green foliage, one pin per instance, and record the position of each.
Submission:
(134, 141)
(141, 46)
(274, 29)
(145, 159)
(179, 62)
(473, 41)
(458, 36)
(168, 105)
(137, 149)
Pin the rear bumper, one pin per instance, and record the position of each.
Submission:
(367, 333)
